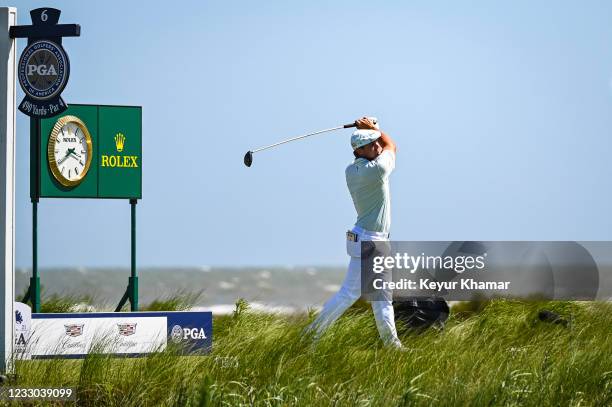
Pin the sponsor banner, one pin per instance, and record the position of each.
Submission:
(123, 334)
(115, 169)
(467, 270)
(190, 331)
(80, 336)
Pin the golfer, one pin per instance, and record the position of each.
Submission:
(367, 179)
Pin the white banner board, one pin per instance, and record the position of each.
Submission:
(80, 336)
(118, 333)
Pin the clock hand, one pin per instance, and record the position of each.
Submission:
(61, 160)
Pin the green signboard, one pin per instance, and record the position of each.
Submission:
(90, 151)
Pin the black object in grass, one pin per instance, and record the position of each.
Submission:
(550, 316)
(419, 314)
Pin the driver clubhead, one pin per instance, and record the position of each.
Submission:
(248, 158)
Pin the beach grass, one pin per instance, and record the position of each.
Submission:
(498, 354)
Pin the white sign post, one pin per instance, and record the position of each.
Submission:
(8, 67)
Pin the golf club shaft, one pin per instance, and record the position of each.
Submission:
(304, 136)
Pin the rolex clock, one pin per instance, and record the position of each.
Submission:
(69, 151)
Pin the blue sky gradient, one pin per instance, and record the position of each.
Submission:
(501, 113)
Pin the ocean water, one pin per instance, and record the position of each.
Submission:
(278, 289)
(275, 289)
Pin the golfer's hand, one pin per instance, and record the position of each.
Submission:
(365, 124)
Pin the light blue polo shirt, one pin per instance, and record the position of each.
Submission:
(368, 183)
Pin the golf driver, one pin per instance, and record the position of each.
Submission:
(248, 157)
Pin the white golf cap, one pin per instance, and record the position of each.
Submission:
(362, 137)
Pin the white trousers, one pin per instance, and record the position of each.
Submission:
(350, 291)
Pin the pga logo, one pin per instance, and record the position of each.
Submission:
(41, 70)
(178, 333)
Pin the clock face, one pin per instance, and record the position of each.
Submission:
(69, 151)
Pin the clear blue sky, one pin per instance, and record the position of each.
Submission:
(502, 114)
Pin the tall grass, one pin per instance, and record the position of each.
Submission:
(179, 301)
(500, 355)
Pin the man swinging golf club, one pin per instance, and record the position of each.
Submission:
(367, 179)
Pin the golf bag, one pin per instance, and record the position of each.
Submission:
(418, 314)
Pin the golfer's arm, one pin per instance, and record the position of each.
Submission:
(387, 142)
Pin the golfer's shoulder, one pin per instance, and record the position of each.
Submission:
(386, 155)
(378, 168)
(361, 169)
(353, 167)
(386, 160)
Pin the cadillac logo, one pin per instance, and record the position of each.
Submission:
(126, 329)
(73, 330)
